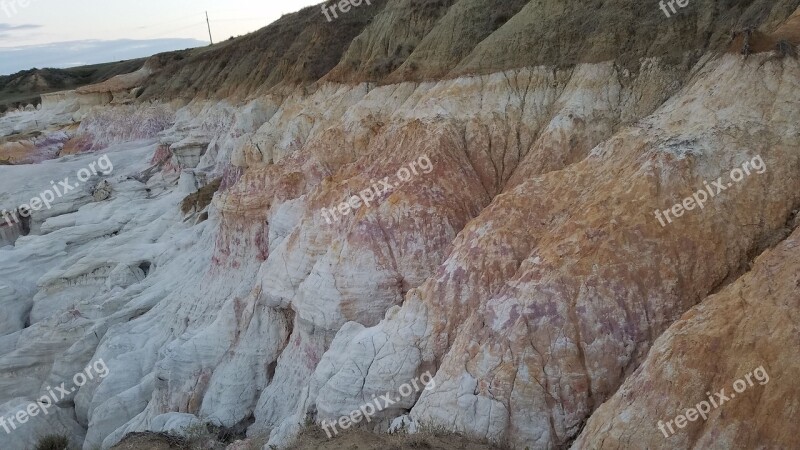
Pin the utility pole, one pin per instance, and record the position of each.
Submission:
(209, 29)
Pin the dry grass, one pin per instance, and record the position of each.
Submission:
(53, 442)
(297, 48)
(200, 199)
(152, 441)
(313, 438)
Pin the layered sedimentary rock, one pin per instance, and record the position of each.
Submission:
(703, 354)
(520, 262)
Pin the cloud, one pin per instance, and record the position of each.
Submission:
(6, 29)
(9, 27)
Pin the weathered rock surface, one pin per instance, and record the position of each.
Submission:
(751, 323)
(520, 262)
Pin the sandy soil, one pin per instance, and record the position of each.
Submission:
(317, 440)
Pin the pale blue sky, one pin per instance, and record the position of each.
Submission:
(54, 21)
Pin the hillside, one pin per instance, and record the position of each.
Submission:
(25, 87)
(473, 223)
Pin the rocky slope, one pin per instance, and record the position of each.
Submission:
(25, 87)
(728, 336)
(512, 162)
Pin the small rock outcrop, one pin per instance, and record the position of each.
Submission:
(101, 191)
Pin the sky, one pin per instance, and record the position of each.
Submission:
(58, 33)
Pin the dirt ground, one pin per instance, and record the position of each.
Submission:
(150, 441)
(316, 439)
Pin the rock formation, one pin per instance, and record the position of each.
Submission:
(520, 262)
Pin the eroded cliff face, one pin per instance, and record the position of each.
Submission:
(703, 356)
(504, 238)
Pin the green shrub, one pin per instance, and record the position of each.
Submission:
(53, 442)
